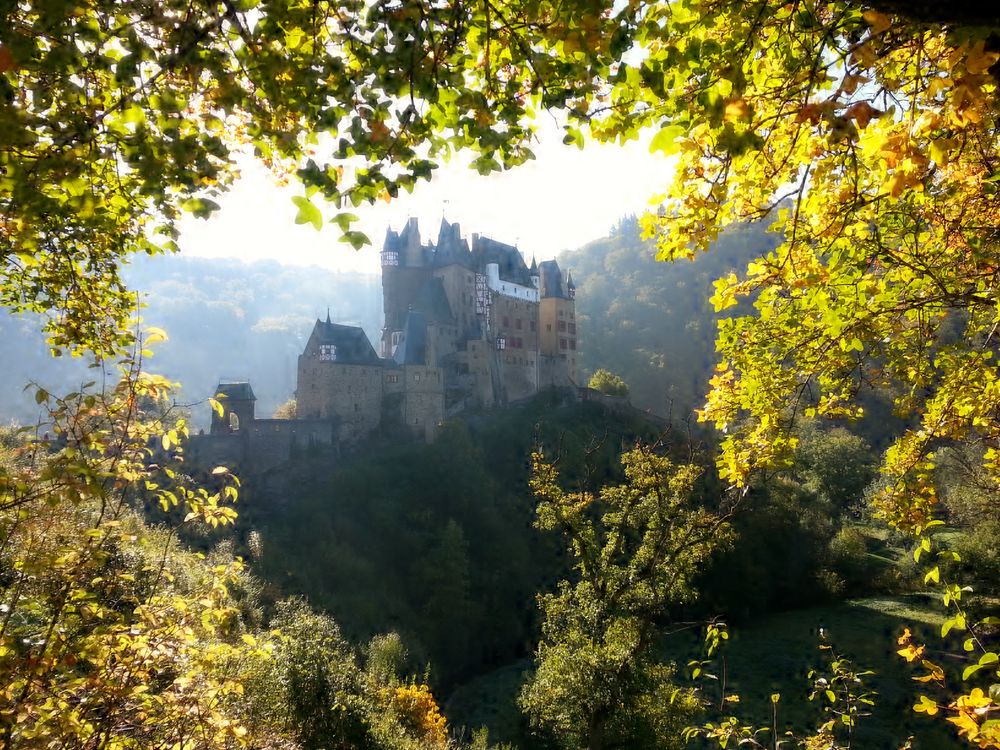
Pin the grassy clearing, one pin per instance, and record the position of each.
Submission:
(774, 655)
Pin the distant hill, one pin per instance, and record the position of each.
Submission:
(651, 322)
(225, 318)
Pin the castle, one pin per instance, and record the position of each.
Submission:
(467, 325)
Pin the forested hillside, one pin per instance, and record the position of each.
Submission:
(225, 318)
(651, 322)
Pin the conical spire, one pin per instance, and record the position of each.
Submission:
(328, 321)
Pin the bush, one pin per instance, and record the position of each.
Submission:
(609, 383)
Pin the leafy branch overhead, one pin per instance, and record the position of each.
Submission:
(117, 117)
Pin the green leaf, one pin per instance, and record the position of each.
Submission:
(202, 208)
(344, 220)
(308, 213)
(666, 141)
(971, 670)
(356, 239)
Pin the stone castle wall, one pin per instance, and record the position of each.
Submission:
(263, 444)
(353, 393)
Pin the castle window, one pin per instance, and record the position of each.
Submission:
(562, 343)
(531, 325)
(234, 422)
(562, 325)
(572, 344)
(506, 322)
(390, 258)
(416, 377)
(517, 323)
(392, 378)
(501, 343)
(327, 353)
(572, 328)
(561, 313)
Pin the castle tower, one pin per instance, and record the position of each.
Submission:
(237, 401)
(453, 266)
(557, 339)
(404, 271)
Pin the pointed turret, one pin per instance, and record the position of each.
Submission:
(451, 248)
(390, 249)
(533, 272)
(412, 250)
(570, 286)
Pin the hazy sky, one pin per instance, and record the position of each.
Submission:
(559, 201)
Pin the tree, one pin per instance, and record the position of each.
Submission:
(866, 133)
(108, 629)
(635, 549)
(287, 410)
(607, 382)
(117, 117)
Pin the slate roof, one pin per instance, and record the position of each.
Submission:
(412, 350)
(507, 257)
(451, 248)
(400, 241)
(550, 279)
(392, 241)
(238, 391)
(353, 346)
(433, 302)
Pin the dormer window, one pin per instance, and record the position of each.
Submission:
(327, 353)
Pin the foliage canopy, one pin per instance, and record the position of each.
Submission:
(867, 134)
(116, 117)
